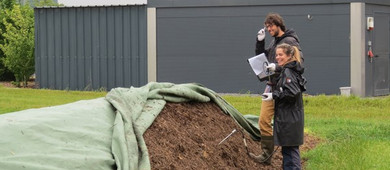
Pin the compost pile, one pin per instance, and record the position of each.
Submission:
(187, 136)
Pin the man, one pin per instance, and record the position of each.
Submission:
(274, 24)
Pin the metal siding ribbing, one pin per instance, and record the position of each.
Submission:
(134, 49)
(95, 47)
(72, 49)
(65, 52)
(58, 50)
(118, 48)
(110, 47)
(50, 47)
(127, 51)
(102, 49)
(210, 45)
(80, 55)
(143, 76)
(87, 48)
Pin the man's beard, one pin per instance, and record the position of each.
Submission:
(276, 33)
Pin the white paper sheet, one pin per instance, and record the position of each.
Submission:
(258, 64)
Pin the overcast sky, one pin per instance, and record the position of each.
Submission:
(99, 2)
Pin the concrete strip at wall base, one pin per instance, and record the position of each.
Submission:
(358, 40)
(152, 54)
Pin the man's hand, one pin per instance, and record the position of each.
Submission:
(261, 35)
(266, 96)
(271, 67)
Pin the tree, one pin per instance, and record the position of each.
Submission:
(5, 18)
(7, 4)
(5, 73)
(40, 3)
(18, 45)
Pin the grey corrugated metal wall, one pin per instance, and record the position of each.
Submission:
(90, 48)
(210, 45)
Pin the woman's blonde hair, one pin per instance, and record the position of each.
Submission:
(292, 51)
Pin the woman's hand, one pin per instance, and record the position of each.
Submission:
(266, 96)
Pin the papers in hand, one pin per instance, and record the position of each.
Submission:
(258, 64)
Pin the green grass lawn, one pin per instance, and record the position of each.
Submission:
(15, 99)
(355, 131)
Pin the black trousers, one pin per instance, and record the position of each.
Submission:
(291, 158)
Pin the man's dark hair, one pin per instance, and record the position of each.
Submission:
(275, 19)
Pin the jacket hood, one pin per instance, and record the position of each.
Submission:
(290, 33)
(296, 66)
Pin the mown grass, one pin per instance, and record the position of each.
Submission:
(355, 131)
(15, 99)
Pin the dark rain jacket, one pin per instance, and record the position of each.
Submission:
(289, 113)
(289, 37)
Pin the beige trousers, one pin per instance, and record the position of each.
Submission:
(266, 115)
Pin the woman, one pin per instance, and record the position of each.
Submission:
(289, 115)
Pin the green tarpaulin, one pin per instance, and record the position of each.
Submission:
(103, 133)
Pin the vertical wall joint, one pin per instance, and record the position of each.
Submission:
(152, 51)
(357, 30)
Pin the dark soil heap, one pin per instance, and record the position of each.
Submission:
(186, 136)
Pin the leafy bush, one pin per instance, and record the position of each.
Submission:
(18, 45)
(5, 73)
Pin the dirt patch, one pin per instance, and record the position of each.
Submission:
(186, 136)
(30, 84)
